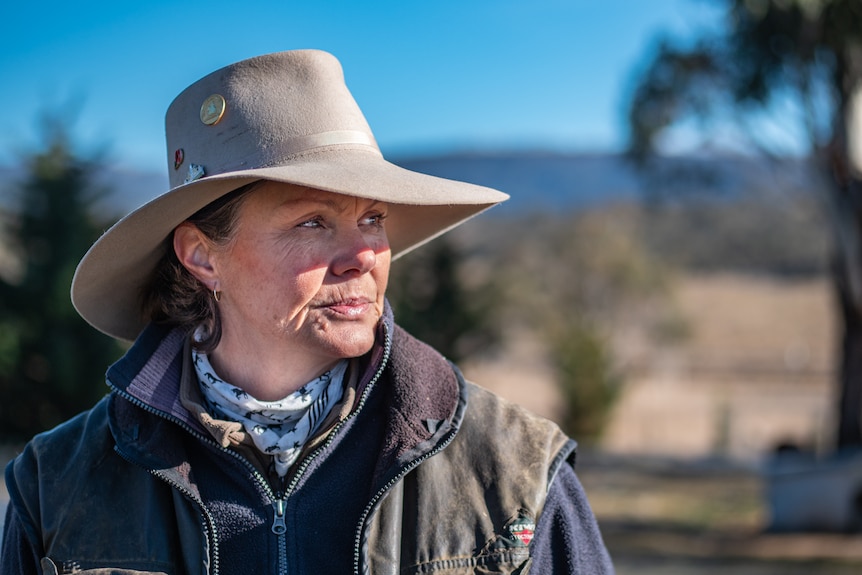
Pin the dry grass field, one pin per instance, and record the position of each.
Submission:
(755, 370)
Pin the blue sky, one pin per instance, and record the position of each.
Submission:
(430, 76)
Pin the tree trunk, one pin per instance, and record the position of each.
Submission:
(849, 431)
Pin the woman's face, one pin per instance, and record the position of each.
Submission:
(304, 275)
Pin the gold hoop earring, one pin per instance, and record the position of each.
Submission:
(216, 295)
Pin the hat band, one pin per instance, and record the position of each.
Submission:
(333, 138)
(278, 153)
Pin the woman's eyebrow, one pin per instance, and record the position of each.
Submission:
(329, 203)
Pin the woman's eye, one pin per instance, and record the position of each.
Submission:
(312, 223)
(374, 220)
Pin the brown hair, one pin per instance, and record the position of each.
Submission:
(173, 296)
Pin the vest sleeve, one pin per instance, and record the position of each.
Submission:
(567, 538)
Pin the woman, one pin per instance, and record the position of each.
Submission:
(271, 417)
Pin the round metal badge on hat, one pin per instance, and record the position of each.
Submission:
(213, 109)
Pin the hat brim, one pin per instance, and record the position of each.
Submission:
(106, 288)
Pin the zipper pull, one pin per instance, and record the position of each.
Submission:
(278, 525)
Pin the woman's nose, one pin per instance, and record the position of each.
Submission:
(354, 255)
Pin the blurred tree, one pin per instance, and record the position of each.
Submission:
(578, 281)
(587, 379)
(52, 364)
(804, 58)
(433, 300)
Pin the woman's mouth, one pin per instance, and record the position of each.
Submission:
(349, 308)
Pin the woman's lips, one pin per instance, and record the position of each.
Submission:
(349, 308)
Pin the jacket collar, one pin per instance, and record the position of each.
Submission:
(424, 395)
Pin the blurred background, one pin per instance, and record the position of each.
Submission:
(676, 279)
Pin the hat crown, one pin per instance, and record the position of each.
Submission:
(275, 106)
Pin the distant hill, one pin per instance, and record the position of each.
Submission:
(537, 180)
(542, 181)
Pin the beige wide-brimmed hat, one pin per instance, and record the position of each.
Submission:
(286, 117)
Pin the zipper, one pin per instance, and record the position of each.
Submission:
(280, 529)
(357, 545)
(279, 503)
(278, 525)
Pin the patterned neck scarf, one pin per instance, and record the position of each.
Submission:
(278, 428)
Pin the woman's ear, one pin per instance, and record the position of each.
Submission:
(195, 253)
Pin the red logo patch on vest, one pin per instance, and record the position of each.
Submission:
(521, 530)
